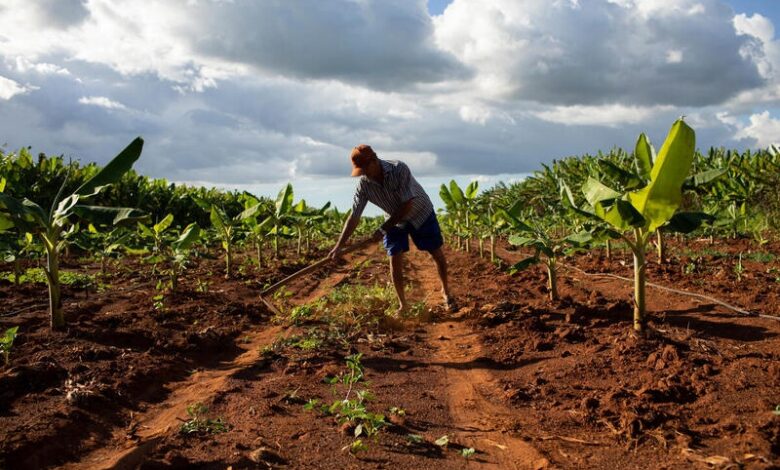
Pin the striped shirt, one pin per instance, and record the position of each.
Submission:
(398, 187)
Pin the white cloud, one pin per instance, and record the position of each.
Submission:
(607, 115)
(9, 88)
(674, 56)
(23, 65)
(237, 92)
(102, 102)
(756, 25)
(762, 129)
(474, 114)
(600, 52)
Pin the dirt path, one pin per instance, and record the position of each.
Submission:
(481, 423)
(129, 446)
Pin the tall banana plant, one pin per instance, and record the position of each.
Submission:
(51, 225)
(636, 214)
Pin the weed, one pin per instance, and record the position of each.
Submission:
(300, 313)
(352, 409)
(200, 424)
(467, 453)
(6, 342)
(777, 410)
(38, 276)
(739, 268)
(761, 257)
(443, 441)
(414, 438)
(202, 286)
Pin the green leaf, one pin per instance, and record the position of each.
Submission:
(645, 156)
(687, 222)
(217, 218)
(620, 214)
(595, 192)
(445, 196)
(188, 236)
(626, 179)
(284, 201)
(250, 212)
(472, 190)
(145, 231)
(457, 194)
(518, 240)
(109, 215)
(524, 264)
(658, 201)
(114, 170)
(163, 225)
(705, 177)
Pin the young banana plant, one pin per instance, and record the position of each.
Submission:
(173, 251)
(547, 241)
(636, 214)
(51, 226)
(461, 207)
(227, 228)
(281, 220)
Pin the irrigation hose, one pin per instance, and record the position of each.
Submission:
(679, 292)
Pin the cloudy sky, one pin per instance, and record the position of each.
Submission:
(251, 94)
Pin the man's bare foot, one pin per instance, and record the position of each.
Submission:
(449, 302)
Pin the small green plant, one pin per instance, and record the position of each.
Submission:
(352, 409)
(200, 424)
(443, 441)
(467, 453)
(777, 410)
(158, 302)
(739, 268)
(301, 313)
(6, 342)
(202, 285)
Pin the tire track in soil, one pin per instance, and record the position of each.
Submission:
(129, 446)
(480, 422)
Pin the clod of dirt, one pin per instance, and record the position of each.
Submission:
(266, 456)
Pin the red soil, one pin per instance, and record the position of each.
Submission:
(506, 375)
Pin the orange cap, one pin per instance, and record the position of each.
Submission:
(361, 157)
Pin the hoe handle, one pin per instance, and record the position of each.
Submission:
(315, 266)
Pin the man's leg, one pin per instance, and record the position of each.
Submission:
(397, 274)
(441, 267)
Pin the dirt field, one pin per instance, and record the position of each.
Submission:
(525, 383)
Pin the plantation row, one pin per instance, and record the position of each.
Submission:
(50, 207)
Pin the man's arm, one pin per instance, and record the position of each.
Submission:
(359, 201)
(349, 227)
(397, 216)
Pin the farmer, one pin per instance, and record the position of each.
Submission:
(390, 185)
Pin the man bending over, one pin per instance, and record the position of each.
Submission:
(390, 185)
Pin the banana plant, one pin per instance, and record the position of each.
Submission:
(306, 220)
(172, 250)
(227, 227)
(281, 219)
(461, 206)
(549, 241)
(636, 214)
(51, 226)
(15, 249)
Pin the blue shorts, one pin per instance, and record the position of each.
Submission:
(426, 238)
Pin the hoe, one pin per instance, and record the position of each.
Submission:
(307, 270)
